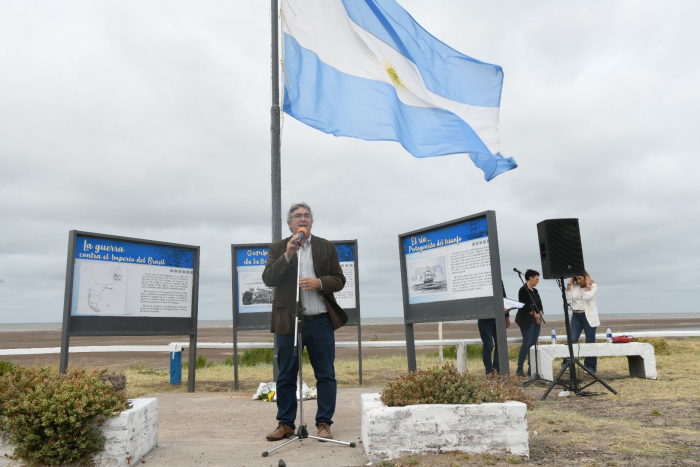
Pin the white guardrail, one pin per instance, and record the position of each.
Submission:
(461, 344)
(178, 346)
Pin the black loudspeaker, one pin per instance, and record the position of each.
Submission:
(560, 248)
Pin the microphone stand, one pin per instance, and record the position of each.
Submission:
(302, 431)
(533, 307)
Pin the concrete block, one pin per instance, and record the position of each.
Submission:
(130, 436)
(640, 357)
(494, 428)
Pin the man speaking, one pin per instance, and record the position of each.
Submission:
(321, 275)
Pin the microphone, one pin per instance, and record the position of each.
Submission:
(302, 231)
(516, 270)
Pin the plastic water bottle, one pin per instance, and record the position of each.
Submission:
(608, 335)
(554, 337)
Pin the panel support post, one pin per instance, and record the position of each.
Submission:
(65, 328)
(193, 363)
(411, 348)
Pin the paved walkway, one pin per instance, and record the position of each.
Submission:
(228, 429)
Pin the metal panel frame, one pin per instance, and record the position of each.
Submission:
(462, 309)
(128, 326)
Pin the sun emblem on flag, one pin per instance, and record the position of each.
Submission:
(394, 76)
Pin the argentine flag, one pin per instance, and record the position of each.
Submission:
(366, 69)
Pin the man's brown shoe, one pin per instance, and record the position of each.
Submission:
(324, 431)
(281, 432)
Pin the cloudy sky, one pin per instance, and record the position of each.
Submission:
(151, 120)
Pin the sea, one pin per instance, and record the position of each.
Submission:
(226, 323)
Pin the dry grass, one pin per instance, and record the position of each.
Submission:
(650, 419)
(650, 422)
(677, 374)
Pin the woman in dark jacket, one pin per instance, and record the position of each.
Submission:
(528, 318)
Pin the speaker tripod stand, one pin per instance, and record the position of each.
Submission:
(302, 432)
(571, 363)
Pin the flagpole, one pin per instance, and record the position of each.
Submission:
(275, 129)
(276, 180)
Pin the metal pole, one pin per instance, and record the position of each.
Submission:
(275, 129)
(276, 169)
(67, 301)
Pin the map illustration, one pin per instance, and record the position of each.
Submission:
(102, 288)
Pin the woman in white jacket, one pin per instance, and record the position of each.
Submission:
(582, 291)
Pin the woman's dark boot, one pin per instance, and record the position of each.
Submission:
(520, 371)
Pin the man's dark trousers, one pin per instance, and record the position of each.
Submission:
(319, 339)
(487, 331)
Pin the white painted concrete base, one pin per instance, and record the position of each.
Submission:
(393, 432)
(130, 436)
(640, 356)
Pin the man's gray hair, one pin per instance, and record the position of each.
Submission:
(296, 206)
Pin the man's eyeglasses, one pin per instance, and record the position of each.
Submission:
(306, 215)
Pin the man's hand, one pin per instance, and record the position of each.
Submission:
(507, 322)
(292, 248)
(310, 283)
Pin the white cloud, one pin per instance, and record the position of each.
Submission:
(152, 121)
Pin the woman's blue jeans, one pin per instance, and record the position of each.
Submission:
(530, 336)
(580, 323)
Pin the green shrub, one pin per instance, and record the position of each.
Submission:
(476, 351)
(51, 419)
(200, 363)
(446, 385)
(252, 357)
(660, 344)
(6, 367)
(448, 352)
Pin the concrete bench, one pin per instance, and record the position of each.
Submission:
(640, 357)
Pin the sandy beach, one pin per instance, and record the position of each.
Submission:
(460, 330)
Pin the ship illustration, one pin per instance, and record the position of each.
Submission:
(428, 275)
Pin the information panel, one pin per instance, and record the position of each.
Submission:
(346, 255)
(253, 295)
(252, 299)
(121, 278)
(121, 286)
(449, 263)
(452, 272)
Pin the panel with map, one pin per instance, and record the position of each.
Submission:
(102, 288)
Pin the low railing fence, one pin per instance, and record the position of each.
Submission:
(175, 348)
